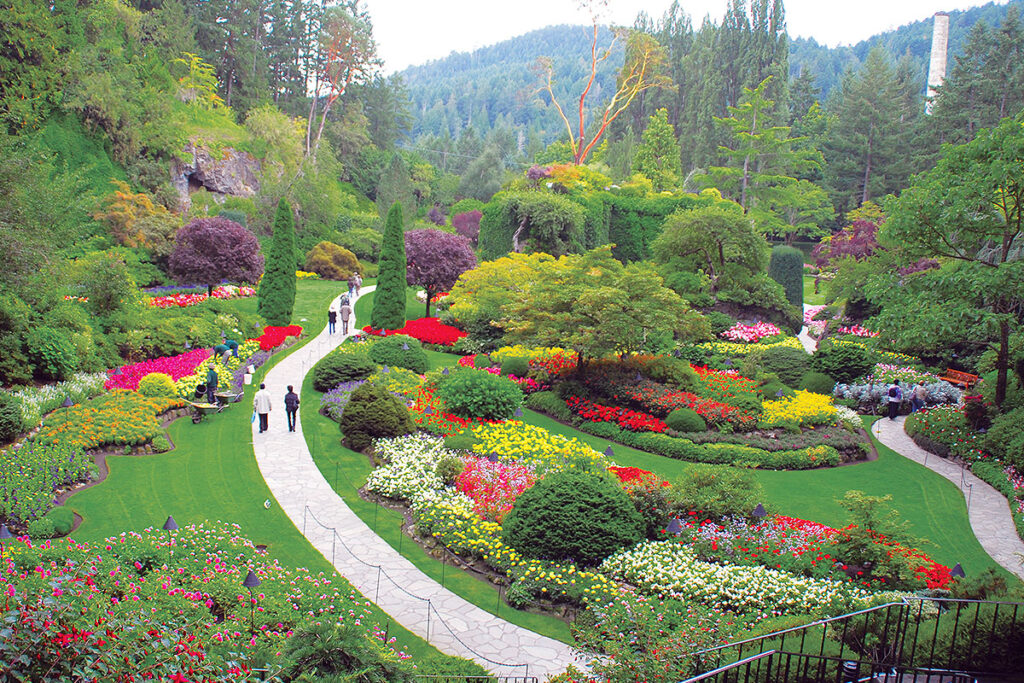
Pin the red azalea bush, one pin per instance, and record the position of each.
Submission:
(632, 475)
(427, 330)
(438, 420)
(726, 387)
(182, 365)
(273, 336)
(493, 486)
(623, 417)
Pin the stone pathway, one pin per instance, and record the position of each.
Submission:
(988, 509)
(413, 599)
(810, 344)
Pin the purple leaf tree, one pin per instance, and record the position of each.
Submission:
(209, 250)
(468, 224)
(436, 259)
(436, 216)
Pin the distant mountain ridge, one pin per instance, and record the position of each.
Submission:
(494, 87)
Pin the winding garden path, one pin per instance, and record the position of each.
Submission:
(988, 509)
(416, 601)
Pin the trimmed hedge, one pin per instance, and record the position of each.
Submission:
(555, 224)
(552, 404)
(337, 367)
(786, 266)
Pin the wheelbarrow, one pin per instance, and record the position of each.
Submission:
(226, 397)
(201, 410)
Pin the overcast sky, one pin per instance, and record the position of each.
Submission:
(416, 31)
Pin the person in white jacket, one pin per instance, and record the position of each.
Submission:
(261, 403)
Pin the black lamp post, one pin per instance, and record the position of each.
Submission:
(251, 581)
(957, 571)
(759, 512)
(170, 524)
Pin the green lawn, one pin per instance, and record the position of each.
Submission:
(810, 298)
(212, 475)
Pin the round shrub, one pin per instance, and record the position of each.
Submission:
(62, 519)
(843, 362)
(717, 492)
(332, 262)
(388, 351)
(817, 382)
(686, 420)
(476, 393)
(52, 353)
(770, 390)
(572, 516)
(157, 384)
(516, 365)
(41, 528)
(372, 413)
(10, 417)
(481, 361)
(160, 444)
(788, 364)
(720, 322)
(337, 367)
(675, 372)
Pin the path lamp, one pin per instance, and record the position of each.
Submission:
(252, 581)
(405, 346)
(444, 371)
(957, 571)
(675, 527)
(170, 524)
(518, 413)
(759, 512)
(5, 535)
(67, 404)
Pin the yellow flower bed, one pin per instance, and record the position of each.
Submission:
(803, 408)
(537, 447)
(723, 348)
(304, 275)
(530, 353)
(186, 386)
(120, 418)
(466, 533)
(881, 356)
(397, 380)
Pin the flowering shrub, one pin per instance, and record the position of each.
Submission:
(751, 334)
(29, 476)
(633, 475)
(37, 401)
(814, 327)
(624, 417)
(493, 486)
(803, 408)
(887, 373)
(119, 418)
(273, 337)
(726, 387)
(184, 300)
(536, 447)
(173, 601)
(856, 331)
(427, 330)
(397, 380)
(946, 432)
(332, 404)
(182, 365)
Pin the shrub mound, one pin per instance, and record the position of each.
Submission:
(787, 363)
(843, 362)
(157, 384)
(474, 394)
(686, 420)
(332, 262)
(572, 516)
(818, 382)
(515, 365)
(337, 367)
(10, 417)
(390, 351)
(373, 413)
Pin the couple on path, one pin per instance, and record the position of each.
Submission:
(261, 405)
(346, 315)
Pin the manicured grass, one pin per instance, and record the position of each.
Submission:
(810, 298)
(212, 475)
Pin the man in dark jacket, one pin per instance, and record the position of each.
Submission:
(291, 406)
(211, 384)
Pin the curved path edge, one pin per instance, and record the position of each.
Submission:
(988, 510)
(442, 618)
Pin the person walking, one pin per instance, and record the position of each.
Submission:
(359, 282)
(261, 404)
(352, 285)
(291, 406)
(212, 380)
(346, 315)
(332, 319)
(918, 397)
(895, 399)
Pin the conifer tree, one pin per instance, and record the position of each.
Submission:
(389, 300)
(277, 289)
(657, 158)
(396, 186)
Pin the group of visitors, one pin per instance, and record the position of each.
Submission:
(918, 394)
(262, 405)
(355, 281)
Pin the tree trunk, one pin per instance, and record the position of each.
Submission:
(519, 231)
(1002, 361)
(430, 294)
(867, 175)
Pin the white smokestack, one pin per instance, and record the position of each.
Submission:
(937, 65)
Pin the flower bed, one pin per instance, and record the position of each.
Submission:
(887, 373)
(856, 331)
(428, 411)
(535, 447)
(554, 360)
(623, 417)
(182, 365)
(184, 300)
(730, 454)
(120, 418)
(633, 475)
(814, 327)
(660, 400)
(493, 486)
(721, 348)
(803, 408)
(227, 371)
(273, 337)
(172, 601)
(528, 385)
(726, 387)
(38, 401)
(30, 475)
(427, 330)
(876, 396)
(944, 431)
(751, 334)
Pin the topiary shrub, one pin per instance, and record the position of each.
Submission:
(686, 420)
(717, 492)
(276, 297)
(10, 417)
(572, 516)
(786, 266)
(389, 351)
(157, 384)
(62, 519)
(476, 394)
(789, 365)
(515, 365)
(332, 262)
(843, 362)
(817, 382)
(481, 361)
(52, 353)
(388, 310)
(338, 367)
(373, 413)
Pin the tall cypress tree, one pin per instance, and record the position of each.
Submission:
(277, 290)
(389, 299)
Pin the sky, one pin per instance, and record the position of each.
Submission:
(411, 32)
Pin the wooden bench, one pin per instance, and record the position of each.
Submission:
(962, 379)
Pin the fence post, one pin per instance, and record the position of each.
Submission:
(851, 671)
(304, 508)
(376, 598)
(334, 540)
(428, 621)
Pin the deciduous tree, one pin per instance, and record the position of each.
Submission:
(209, 250)
(435, 260)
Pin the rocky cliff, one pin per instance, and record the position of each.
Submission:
(235, 174)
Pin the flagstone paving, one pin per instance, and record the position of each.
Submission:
(988, 509)
(413, 599)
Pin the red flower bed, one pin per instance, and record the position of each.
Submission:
(664, 401)
(723, 386)
(427, 330)
(493, 486)
(438, 420)
(632, 475)
(273, 337)
(624, 417)
(182, 365)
